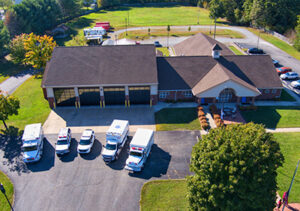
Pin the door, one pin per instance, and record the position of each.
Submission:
(114, 95)
(64, 96)
(89, 96)
(139, 94)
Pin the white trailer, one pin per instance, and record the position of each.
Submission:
(140, 148)
(32, 143)
(116, 137)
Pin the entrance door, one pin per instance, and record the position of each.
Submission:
(89, 96)
(139, 94)
(114, 95)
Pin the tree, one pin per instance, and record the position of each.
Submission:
(9, 105)
(149, 31)
(4, 38)
(38, 50)
(297, 41)
(70, 8)
(189, 29)
(87, 3)
(6, 4)
(168, 29)
(235, 169)
(17, 49)
(12, 23)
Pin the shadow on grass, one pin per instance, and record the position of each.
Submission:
(8, 68)
(175, 115)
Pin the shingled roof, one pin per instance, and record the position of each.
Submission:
(199, 45)
(101, 65)
(203, 72)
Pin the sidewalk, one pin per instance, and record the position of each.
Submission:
(283, 130)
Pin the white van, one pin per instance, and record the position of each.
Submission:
(116, 137)
(140, 148)
(32, 143)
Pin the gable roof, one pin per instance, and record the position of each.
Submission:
(101, 65)
(199, 45)
(216, 47)
(255, 71)
(218, 75)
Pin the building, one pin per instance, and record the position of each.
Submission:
(133, 74)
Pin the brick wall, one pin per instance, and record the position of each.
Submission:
(175, 95)
(269, 94)
(51, 102)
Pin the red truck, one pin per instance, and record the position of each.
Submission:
(104, 25)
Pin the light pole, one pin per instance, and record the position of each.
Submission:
(126, 25)
(258, 38)
(128, 17)
(3, 191)
(215, 27)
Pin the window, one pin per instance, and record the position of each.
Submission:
(274, 91)
(163, 94)
(267, 91)
(187, 93)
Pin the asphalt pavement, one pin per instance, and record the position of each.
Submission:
(84, 182)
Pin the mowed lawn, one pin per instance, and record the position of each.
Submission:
(33, 107)
(138, 16)
(9, 190)
(274, 117)
(171, 194)
(177, 119)
(235, 50)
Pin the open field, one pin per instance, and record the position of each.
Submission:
(33, 107)
(138, 16)
(177, 119)
(164, 195)
(143, 34)
(274, 117)
(9, 190)
(278, 43)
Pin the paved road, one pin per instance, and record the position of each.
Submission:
(84, 182)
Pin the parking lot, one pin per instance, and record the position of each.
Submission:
(84, 182)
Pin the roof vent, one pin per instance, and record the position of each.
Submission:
(216, 51)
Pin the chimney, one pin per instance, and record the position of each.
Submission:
(216, 51)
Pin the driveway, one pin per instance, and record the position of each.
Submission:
(78, 182)
(98, 119)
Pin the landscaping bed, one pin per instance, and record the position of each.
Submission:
(177, 119)
(9, 190)
(273, 117)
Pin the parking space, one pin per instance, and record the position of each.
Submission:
(76, 182)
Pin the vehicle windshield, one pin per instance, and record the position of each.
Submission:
(84, 141)
(138, 154)
(62, 142)
(110, 146)
(28, 149)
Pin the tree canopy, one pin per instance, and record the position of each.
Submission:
(235, 169)
(4, 38)
(9, 105)
(297, 41)
(17, 49)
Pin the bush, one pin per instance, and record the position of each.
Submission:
(203, 122)
(201, 113)
(200, 108)
(205, 126)
(202, 118)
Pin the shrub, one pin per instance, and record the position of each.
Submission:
(201, 113)
(202, 118)
(203, 122)
(205, 126)
(200, 108)
(216, 116)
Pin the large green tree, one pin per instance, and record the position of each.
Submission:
(4, 38)
(9, 105)
(17, 49)
(69, 8)
(6, 4)
(297, 41)
(234, 169)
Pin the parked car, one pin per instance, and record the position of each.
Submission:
(282, 70)
(275, 62)
(63, 143)
(255, 51)
(86, 141)
(32, 143)
(296, 84)
(157, 44)
(289, 75)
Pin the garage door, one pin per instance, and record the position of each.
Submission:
(114, 95)
(89, 96)
(139, 94)
(64, 97)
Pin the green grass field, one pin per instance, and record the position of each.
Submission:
(9, 190)
(171, 194)
(138, 16)
(164, 51)
(278, 43)
(235, 50)
(274, 117)
(177, 119)
(33, 107)
(164, 195)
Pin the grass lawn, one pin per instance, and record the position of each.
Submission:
(278, 43)
(143, 34)
(138, 16)
(7, 69)
(177, 119)
(274, 117)
(33, 107)
(9, 190)
(290, 148)
(164, 51)
(235, 50)
(285, 96)
(164, 195)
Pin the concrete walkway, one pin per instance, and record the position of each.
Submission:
(283, 130)
(11, 84)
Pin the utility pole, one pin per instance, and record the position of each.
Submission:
(168, 29)
(126, 25)
(2, 189)
(258, 38)
(128, 17)
(215, 27)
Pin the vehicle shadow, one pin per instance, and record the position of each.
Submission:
(120, 163)
(72, 154)
(10, 145)
(156, 165)
(95, 151)
(47, 160)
